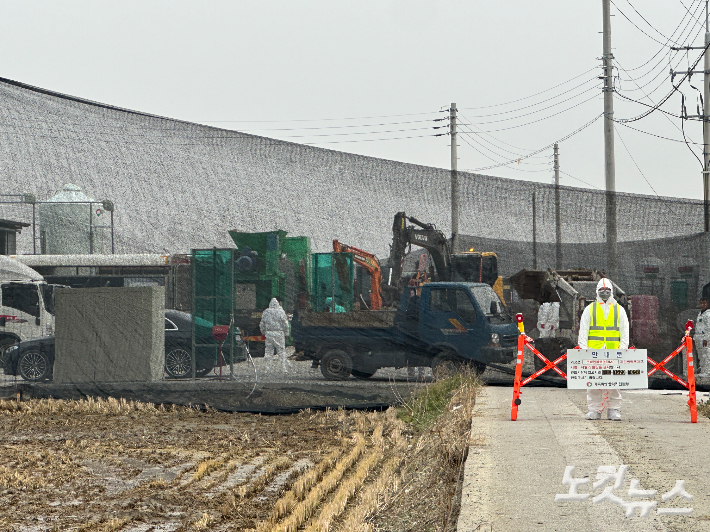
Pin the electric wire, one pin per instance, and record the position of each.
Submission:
(636, 26)
(543, 148)
(490, 158)
(663, 48)
(532, 95)
(664, 203)
(313, 119)
(657, 106)
(464, 135)
(649, 24)
(540, 102)
(681, 129)
(578, 179)
(480, 136)
(661, 71)
(541, 119)
(343, 127)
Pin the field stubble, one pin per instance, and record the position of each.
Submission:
(110, 466)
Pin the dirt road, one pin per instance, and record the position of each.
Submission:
(515, 469)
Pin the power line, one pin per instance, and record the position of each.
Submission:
(635, 26)
(672, 34)
(544, 148)
(532, 95)
(347, 126)
(657, 106)
(532, 112)
(541, 102)
(314, 119)
(578, 179)
(541, 119)
(374, 140)
(641, 172)
(653, 134)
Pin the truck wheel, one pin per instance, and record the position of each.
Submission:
(446, 364)
(336, 365)
(362, 374)
(34, 366)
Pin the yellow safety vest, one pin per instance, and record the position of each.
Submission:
(604, 332)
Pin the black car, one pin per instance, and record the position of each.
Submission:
(33, 360)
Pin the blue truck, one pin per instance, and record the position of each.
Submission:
(442, 325)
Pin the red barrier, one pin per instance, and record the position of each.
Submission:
(525, 341)
(690, 385)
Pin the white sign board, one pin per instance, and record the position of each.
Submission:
(607, 368)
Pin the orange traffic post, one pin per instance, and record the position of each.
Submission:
(524, 341)
(518, 374)
(687, 344)
(692, 400)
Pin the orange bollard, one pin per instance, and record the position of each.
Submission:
(518, 369)
(692, 400)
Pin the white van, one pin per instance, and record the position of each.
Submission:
(26, 304)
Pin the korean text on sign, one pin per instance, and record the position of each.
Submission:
(607, 368)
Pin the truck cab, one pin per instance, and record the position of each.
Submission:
(459, 321)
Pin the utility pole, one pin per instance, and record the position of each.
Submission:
(609, 166)
(454, 182)
(706, 126)
(705, 117)
(558, 218)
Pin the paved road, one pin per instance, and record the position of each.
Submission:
(515, 469)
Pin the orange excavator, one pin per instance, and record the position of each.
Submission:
(371, 264)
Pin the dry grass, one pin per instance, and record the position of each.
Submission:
(704, 408)
(107, 465)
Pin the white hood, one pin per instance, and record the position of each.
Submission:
(13, 270)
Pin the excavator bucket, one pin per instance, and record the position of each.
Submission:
(534, 284)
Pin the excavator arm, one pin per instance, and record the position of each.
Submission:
(423, 235)
(371, 264)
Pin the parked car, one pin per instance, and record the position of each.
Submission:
(33, 360)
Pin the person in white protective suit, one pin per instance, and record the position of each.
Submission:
(604, 325)
(548, 320)
(274, 326)
(701, 338)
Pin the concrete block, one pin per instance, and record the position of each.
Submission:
(109, 334)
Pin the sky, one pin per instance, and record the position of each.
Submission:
(377, 77)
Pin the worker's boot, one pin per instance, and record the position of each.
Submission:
(593, 414)
(613, 414)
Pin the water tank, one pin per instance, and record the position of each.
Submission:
(73, 223)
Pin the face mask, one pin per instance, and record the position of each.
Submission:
(604, 294)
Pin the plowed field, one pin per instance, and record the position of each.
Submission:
(131, 467)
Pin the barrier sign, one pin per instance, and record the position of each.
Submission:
(607, 368)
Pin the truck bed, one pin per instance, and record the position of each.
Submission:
(357, 319)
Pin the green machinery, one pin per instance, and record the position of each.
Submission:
(236, 285)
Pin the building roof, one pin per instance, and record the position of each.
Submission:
(9, 225)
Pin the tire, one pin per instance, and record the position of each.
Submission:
(336, 365)
(178, 363)
(362, 374)
(202, 372)
(446, 364)
(478, 367)
(34, 366)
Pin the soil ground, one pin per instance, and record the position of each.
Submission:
(131, 467)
